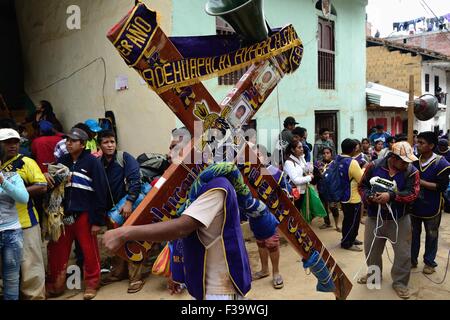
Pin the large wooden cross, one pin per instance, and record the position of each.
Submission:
(193, 103)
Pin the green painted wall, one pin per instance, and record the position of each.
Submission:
(298, 94)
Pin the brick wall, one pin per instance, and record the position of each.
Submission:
(439, 41)
(389, 68)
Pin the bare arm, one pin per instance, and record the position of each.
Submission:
(36, 190)
(428, 185)
(156, 232)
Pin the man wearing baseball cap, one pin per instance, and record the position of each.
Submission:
(94, 129)
(289, 125)
(285, 137)
(84, 214)
(389, 208)
(380, 134)
(32, 281)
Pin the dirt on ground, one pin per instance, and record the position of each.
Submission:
(298, 285)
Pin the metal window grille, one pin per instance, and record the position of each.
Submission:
(326, 55)
(230, 79)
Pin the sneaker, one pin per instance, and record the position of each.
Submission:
(413, 265)
(428, 269)
(354, 248)
(357, 242)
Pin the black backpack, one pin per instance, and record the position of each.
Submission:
(152, 165)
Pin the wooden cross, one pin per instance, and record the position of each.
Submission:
(194, 103)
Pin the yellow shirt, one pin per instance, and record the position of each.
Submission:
(31, 174)
(91, 145)
(355, 174)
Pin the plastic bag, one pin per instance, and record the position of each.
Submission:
(316, 208)
(115, 218)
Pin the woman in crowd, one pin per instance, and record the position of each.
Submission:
(296, 169)
(12, 190)
(322, 166)
(44, 111)
(377, 149)
(366, 148)
(363, 159)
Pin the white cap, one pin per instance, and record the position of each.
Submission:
(6, 134)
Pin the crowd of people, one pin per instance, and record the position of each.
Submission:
(400, 187)
(70, 181)
(60, 187)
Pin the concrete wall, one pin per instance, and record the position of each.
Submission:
(51, 52)
(298, 94)
(392, 69)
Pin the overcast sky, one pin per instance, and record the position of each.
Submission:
(383, 13)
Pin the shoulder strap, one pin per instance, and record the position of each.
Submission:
(289, 159)
(18, 163)
(121, 159)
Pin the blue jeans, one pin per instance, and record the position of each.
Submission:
(431, 239)
(11, 248)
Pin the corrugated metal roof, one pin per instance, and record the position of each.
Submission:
(383, 96)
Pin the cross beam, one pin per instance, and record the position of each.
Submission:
(194, 103)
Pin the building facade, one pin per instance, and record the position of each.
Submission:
(320, 93)
(76, 70)
(391, 64)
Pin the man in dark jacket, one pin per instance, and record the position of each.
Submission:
(84, 214)
(388, 213)
(122, 172)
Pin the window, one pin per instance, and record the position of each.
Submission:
(427, 82)
(436, 85)
(223, 28)
(326, 54)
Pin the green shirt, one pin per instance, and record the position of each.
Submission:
(91, 145)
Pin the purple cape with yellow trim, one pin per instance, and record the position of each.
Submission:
(235, 254)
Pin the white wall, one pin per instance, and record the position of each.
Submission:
(441, 118)
(433, 71)
(51, 52)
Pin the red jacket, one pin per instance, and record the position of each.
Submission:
(42, 149)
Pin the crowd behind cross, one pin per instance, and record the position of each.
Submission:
(62, 187)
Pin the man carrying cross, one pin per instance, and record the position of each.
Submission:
(216, 262)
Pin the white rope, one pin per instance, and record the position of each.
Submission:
(375, 231)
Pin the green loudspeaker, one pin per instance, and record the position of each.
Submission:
(245, 16)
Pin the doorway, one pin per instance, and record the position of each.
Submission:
(327, 119)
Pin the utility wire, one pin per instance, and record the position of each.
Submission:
(77, 71)
(423, 1)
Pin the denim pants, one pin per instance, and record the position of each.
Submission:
(431, 239)
(11, 249)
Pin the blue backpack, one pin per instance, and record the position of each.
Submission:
(332, 186)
